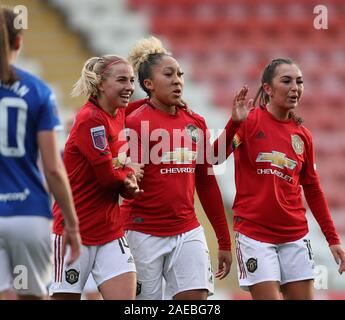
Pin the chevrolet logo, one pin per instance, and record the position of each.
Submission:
(180, 155)
(277, 159)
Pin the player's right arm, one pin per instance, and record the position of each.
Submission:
(100, 157)
(58, 184)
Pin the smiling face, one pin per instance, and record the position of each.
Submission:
(166, 83)
(286, 87)
(118, 85)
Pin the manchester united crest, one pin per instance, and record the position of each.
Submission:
(193, 132)
(297, 143)
(72, 276)
(252, 264)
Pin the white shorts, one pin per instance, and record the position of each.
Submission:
(25, 254)
(260, 261)
(183, 261)
(90, 285)
(103, 262)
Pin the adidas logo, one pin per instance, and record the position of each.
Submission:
(130, 260)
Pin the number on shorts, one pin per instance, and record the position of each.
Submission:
(21, 116)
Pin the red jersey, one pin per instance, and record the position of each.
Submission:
(95, 142)
(273, 159)
(171, 174)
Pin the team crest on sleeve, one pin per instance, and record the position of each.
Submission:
(236, 141)
(99, 137)
(193, 132)
(297, 143)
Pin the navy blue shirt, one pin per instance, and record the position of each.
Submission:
(26, 107)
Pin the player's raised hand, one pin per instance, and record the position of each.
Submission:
(241, 107)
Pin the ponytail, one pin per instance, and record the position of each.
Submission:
(262, 96)
(94, 71)
(6, 72)
(297, 119)
(88, 81)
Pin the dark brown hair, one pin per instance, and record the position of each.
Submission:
(12, 31)
(267, 77)
(8, 36)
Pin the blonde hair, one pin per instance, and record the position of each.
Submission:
(94, 71)
(142, 51)
(145, 54)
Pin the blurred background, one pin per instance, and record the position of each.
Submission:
(221, 45)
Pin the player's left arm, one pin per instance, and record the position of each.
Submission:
(212, 203)
(317, 203)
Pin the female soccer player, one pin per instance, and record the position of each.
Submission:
(164, 234)
(27, 120)
(96, 163)
(274, 157)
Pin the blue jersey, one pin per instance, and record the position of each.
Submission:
(26, 107)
